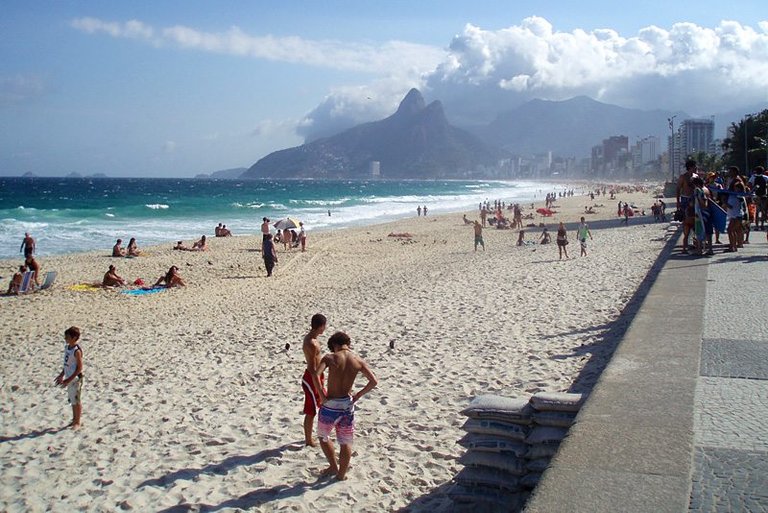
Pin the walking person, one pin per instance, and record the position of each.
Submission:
(581, 234)
(269, 254)
(27, 245)
(562, 240)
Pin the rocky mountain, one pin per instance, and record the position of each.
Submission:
(415, 142)
(571, 127)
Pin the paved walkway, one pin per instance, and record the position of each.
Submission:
(679, 419)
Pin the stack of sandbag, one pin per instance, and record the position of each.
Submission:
(495, 461)
(553, 415)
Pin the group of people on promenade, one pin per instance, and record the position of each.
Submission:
(707, 201)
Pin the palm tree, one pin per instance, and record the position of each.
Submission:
(745, 147)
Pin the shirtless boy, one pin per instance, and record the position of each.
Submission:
(338, 405)
(311, 349)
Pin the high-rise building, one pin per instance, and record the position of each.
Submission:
(697, 135)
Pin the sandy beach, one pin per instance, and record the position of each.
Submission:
(192, 403)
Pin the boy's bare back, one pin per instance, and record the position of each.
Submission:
(343, 368)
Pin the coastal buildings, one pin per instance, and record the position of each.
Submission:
(692, 137)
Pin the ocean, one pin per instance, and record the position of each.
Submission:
(82, 214)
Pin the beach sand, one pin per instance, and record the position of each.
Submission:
(191, 401)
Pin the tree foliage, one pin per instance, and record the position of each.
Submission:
(747, 142)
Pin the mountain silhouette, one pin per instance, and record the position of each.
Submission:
(415, 142)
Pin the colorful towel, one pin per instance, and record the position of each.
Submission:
(143, 292)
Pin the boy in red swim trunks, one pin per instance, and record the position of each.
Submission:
(312, 356)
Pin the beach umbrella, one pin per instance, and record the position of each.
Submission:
(287, 223)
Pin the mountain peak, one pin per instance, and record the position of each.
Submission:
(412, 103)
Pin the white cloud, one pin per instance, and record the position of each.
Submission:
(169, 147)
(20, 87)
(392, 57)
(687, 67)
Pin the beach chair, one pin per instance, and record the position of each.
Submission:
(50, 277)
(26, 282)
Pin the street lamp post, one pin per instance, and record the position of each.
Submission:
(672, 145)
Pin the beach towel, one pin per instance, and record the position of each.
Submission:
(84, 287)
(143, 292)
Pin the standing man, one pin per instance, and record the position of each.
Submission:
(27, 246)
(264, 228)
(269, 254)
(683, 195)
(479, 235)
(338, 404)
(418, 210)
(581, 233)
(425, 211)
(311, 349)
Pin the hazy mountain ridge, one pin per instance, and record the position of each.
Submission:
(572, 127)
(415, 142)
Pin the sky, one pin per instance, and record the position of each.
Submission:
(177, 88)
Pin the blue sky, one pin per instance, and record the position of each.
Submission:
(178, 88)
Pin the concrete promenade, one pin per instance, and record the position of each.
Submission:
(679, 419)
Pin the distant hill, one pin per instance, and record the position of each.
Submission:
(29, 174)
(415, 142)
(225, 174)
(571, 127)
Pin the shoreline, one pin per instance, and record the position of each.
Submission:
(192, 400)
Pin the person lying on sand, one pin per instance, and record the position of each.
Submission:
(112, 279)
(466, 221)
(117, 249)
(180, 246)
(15, 286)
(171, 279)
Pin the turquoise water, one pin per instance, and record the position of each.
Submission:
(69, 215)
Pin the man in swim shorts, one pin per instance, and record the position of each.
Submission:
(338, 405)
(311, 349)
(479, 235)
(581, 233)
(683, 195)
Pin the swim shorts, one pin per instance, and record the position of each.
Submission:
(311, 398)
(338, 413)
(479, 240)
(74, 389)
(583, 243)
